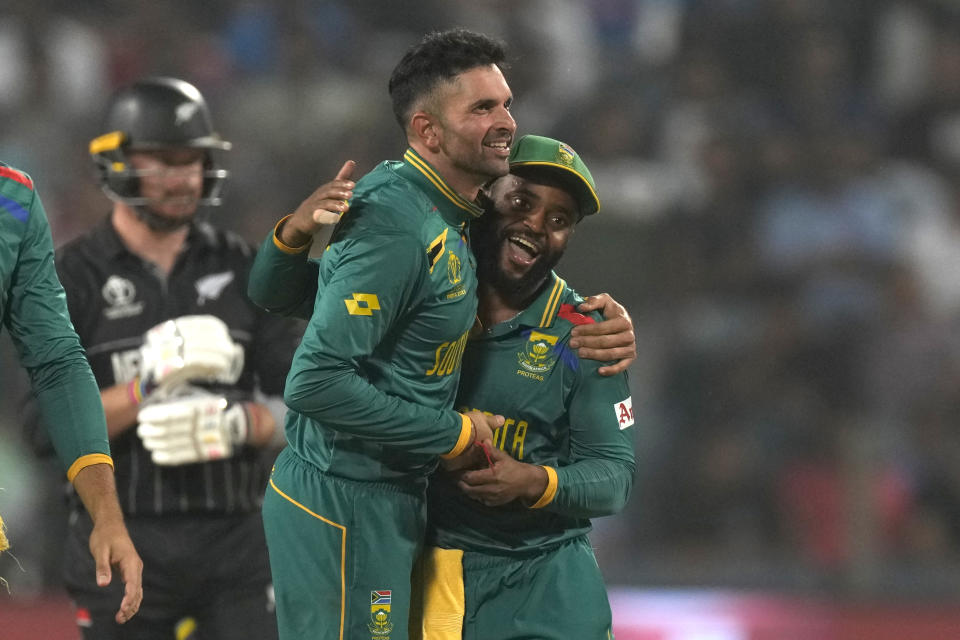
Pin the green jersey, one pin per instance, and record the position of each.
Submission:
(372, 385)
(34, 310)
(560, 414)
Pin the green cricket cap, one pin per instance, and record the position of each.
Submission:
(539, 151)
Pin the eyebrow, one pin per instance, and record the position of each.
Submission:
(523, 190)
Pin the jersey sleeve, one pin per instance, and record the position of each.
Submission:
(374, 282)
(49, 349)
(598, 480)
(283, 280)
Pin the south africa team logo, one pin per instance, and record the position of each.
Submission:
(380, 625)
(565, 155)
(538, 355)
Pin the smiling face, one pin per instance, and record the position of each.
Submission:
(520, 242)
(471, 128)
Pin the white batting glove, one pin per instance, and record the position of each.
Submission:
(189, 348)
(193, 428)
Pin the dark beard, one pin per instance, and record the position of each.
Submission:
(160, 223)
(517, 289)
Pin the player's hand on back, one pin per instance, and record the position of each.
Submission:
(610, 340)
(321, 208)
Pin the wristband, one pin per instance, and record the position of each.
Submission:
(279, 244)
(135, 391)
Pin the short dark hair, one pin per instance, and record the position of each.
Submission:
(438, 57)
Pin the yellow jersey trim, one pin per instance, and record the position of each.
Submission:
(285, 247)
(553, 303)
(466, 430)
(343, 550)
(420, 165)
(444, 604)
(83, 462)
(550, 492)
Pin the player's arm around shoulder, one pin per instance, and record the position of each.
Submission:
(610, 338)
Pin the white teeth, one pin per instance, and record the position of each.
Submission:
(524, 242)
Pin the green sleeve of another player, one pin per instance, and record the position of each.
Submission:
(283, 280)
(598, 478)
(364, 301)
(50, 351)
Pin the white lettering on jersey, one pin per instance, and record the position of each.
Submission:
(624, 411)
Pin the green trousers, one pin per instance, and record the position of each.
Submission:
(341, 553)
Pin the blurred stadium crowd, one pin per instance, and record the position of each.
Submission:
(781, 188)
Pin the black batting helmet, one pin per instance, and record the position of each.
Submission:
(155, 114)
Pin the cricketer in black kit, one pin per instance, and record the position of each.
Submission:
(185, 364)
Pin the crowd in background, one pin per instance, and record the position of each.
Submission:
(781, 215)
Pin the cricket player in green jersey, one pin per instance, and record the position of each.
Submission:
(372, 385)
(507, 551)
(34, 310)
(282, 277)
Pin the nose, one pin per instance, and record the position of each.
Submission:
(535, 220)
(189, 174)
(506, 121)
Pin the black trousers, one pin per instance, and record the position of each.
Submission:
(211, 568)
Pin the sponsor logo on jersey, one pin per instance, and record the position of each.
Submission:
(538, 355)
(624, 411)
(447, 356)
(120, 295)
(362, 304)
(210, 287)
(380, 625)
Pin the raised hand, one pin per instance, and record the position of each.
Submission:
(321, 208)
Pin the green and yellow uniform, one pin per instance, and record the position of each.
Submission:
(34, 311)
(518, 571)
(370, 391)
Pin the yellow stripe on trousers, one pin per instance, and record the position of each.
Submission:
(343, 551)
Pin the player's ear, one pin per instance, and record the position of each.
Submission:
(425, 128)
